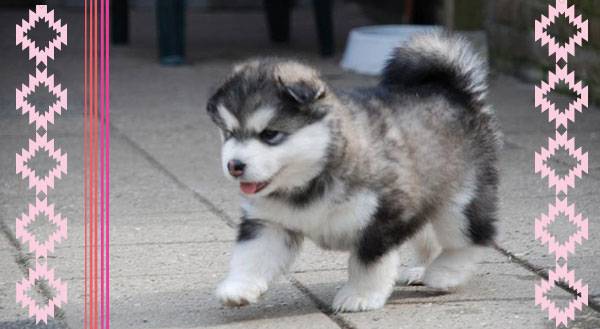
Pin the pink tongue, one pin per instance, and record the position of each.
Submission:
(249, 188)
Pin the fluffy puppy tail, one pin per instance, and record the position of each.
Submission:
(437, 62)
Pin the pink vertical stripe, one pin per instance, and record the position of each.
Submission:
(102, 151)
(85, 154)
(107, 156)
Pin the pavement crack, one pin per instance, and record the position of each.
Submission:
(543, 273)
(25, 261)
(322, 306)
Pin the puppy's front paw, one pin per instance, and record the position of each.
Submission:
(235, 293)
(350, 300)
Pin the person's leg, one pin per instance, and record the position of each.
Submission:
(170, 15)
(324, 20)
(278, 19)
(119, 22)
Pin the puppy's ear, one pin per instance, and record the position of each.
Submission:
(213, 113)
(299, 82)
(301, 91)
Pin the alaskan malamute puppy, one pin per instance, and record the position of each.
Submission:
(411, 158)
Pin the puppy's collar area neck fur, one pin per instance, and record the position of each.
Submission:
(304, 195)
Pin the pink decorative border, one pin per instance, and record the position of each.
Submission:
(561, 185)
(41, 185)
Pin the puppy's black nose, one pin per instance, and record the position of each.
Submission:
(236, 168)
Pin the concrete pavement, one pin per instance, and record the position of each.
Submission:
(173, 211)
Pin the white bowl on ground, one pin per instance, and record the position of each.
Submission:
(369, 47)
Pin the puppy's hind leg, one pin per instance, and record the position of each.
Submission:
(452, 267)
(463, 232)
(425, 249)
(262, 252)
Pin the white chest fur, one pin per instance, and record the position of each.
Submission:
(333, 222)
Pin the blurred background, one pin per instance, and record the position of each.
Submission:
(183, 32)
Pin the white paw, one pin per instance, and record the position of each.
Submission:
(445, 277)
(235, 292)
(412, 276)
(349, 300)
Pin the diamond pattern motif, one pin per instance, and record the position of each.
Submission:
(561, 250)
(41, 184)
(41, 312)
(41, 249)
(561, 116)
(39, 116)
(561, 316)
(561, 184)
(554, 48)
(41, 55)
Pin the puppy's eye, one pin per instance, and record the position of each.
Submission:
(226, 134)
(271, 137)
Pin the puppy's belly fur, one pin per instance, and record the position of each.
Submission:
(333, 222)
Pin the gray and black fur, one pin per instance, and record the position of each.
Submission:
(415, 153)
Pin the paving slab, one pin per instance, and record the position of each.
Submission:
(189, 303)
(500, 294)
(172, 286)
